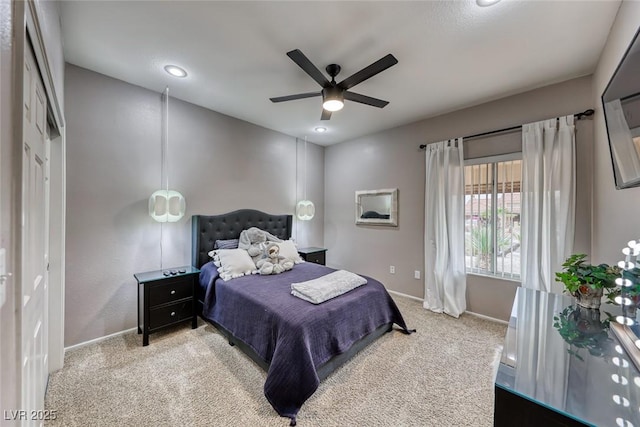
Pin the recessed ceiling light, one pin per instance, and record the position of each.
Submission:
(175, 71)
(485, 3)
(320, 129)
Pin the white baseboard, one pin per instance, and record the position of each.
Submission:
(404, 295)
(492, 319)
(97, 340)
(481, 316)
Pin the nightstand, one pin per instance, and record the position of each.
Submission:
(312, 254)
(166, 297)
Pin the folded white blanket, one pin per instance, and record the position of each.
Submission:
(326, 287)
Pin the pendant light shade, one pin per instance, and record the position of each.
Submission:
(166, 205)
(305, 209)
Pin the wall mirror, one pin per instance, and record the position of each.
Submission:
(377, 207)
(621, 103)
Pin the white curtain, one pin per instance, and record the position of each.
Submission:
(445, 280)
(548, 200)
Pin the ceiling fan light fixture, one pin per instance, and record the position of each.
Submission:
(332, 99)
(332, 105)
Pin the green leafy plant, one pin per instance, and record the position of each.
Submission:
(576, 273)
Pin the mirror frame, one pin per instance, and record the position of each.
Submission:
(393, 213)
(633, 181)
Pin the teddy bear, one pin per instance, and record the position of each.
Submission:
(272, 262)
(255, 241)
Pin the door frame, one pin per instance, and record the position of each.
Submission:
(27, 28)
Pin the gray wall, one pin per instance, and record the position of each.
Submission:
(113, 165)
(392, 159)
(615, 212)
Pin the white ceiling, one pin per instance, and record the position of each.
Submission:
(452, 54)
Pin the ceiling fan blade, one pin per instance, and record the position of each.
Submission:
(303, 62)
(363, 99)
(368, 72)
(326, 115)
(297, 96)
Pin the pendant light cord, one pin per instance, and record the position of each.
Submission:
(164, 175)
(296, 191)
(166, 140)
(305, 167)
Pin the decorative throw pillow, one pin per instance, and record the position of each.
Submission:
(289, 251)
(232, 263)
(226, 244)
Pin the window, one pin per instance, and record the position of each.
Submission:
(492, 215)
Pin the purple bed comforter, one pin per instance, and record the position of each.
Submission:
(293, 336)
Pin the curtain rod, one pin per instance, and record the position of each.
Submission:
(578, 116)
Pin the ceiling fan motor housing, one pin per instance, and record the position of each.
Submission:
(332, 92)
(333, 70)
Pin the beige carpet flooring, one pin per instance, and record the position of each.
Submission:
(440, 376)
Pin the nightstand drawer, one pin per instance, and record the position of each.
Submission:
(317, 257)
(170, 290)
(170, 314)
(313, 254)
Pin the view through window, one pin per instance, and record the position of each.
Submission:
(492, 218)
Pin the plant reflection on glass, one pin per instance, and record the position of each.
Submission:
(582, 328)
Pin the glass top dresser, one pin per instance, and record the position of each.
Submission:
(562, 365)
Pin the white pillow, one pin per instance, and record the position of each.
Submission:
(233, 263)
(289, 251)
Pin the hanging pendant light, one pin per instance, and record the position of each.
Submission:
(305, 209)
(166, 205)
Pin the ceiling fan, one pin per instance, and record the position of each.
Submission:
(334, 94)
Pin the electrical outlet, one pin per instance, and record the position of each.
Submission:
(392, 269)
(416, 274)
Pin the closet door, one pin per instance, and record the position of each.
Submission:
(34, 239)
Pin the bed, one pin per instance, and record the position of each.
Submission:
(298, 343)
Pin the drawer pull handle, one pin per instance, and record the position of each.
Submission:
(173, 313)
(173, 292)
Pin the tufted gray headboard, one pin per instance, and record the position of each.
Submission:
(206, 229)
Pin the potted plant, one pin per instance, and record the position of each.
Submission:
(587, 282)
